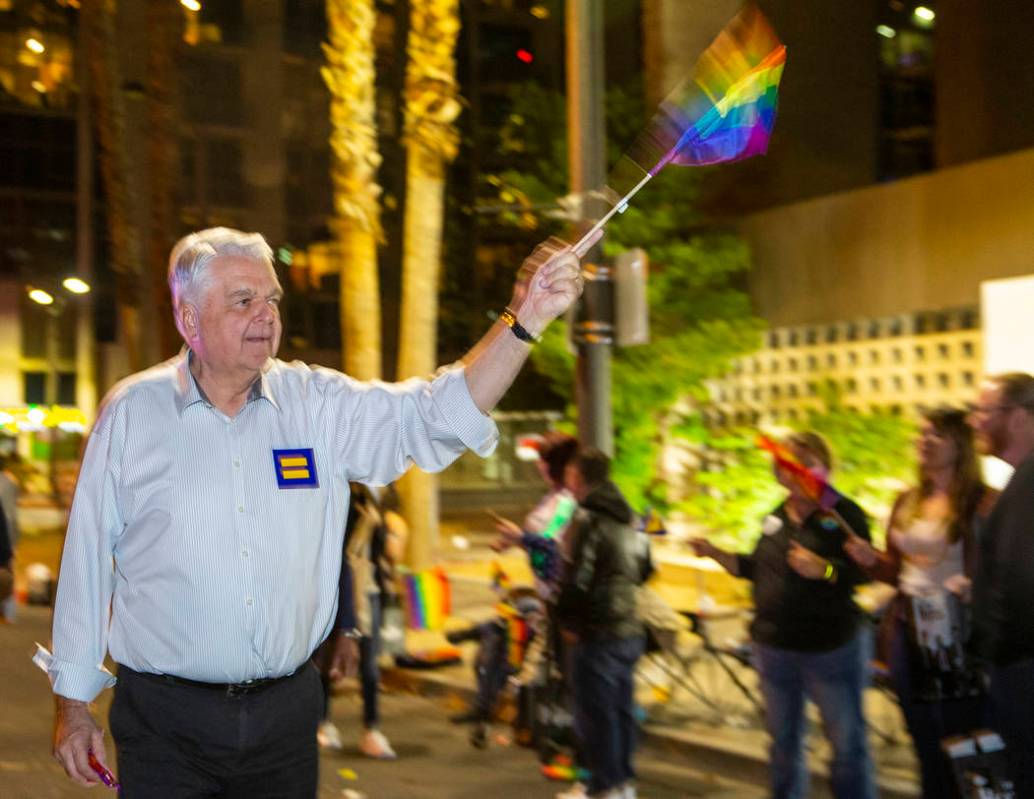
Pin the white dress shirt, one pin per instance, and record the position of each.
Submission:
(218, 558)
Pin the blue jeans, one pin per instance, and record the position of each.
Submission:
(834, 681)
(604, 708)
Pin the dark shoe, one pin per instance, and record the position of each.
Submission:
(479, 737)
(466, 717)
(459, 636)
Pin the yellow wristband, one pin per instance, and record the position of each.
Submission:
(831, 572)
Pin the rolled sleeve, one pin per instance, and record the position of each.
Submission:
(475, 429)
(383, 429)
(76, 681)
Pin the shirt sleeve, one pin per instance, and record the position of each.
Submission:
(82, 607)
(382, 429)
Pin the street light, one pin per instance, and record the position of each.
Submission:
(76, 285)
(40, 296)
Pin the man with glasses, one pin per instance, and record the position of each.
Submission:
(1003, 593)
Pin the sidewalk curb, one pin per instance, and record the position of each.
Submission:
(707, 752)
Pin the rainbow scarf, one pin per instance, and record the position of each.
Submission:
(428, 599)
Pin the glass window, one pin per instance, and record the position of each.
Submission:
(35, 387)
(66, 388)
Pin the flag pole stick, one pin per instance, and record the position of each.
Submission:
(582, 246)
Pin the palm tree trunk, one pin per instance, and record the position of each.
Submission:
(349, 75)
(163, 155)
(126, 245)
(432, 105)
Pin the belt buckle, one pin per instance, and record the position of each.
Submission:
(236, 689)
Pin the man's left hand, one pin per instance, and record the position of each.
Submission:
(344, 659)
(549, 281)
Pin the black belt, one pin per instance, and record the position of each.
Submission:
(230, 689)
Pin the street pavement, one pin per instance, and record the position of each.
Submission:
(435, 759)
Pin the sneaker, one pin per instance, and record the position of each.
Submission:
(479, 736)
(628, 791)
(328, 736)
(576, 791)
(374, 744)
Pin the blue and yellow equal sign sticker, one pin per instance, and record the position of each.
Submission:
(295, 468)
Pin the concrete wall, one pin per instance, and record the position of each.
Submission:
(921, 243)
(10, 344)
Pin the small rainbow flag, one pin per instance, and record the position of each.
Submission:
(518, 633)
(724, 111)
(428, 599)
(814, 485)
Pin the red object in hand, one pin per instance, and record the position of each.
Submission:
(106, 776)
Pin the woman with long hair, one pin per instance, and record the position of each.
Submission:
(930, 558)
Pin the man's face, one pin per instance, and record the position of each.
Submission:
(238, 327)
(990, 421)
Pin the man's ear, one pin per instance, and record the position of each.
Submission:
(189, 321)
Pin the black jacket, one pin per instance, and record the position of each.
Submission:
(609, 559)
(795, 613)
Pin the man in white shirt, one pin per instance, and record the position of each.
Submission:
(204, 541)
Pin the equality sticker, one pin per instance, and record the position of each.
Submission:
(295, 468)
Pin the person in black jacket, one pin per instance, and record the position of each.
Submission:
(807, 632)
(607, 560)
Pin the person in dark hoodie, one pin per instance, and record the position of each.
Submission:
(606, 561)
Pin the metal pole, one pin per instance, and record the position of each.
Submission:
(85, 377)
(587, 160)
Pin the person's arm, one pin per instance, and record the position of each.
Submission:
(549, 281)
(82, 605)
(729, 561)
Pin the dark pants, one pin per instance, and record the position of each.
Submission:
(929, 722)
(1012, 699)
(604, 708)
(369, 671)
(492, 667)
(176, 741)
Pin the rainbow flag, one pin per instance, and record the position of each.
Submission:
(518, 633)
(428, 599)
(726, 109)
(815, 486)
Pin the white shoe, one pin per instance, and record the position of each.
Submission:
(374, 744)
(628, 791)
(328, 736)
(576, 791)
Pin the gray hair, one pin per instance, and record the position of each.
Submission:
(189, 277)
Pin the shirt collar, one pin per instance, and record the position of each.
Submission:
(189, 392)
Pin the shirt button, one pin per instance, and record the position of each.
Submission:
(249, 601)
(244, 553)
(237, 464)
(240, 509)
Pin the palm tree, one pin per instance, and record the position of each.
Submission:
(349, 75)
(431, 107)
(122, 182)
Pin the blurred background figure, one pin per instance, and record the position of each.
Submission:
(931, 557)
(374, 543)
(808, 634)
(9, 504)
